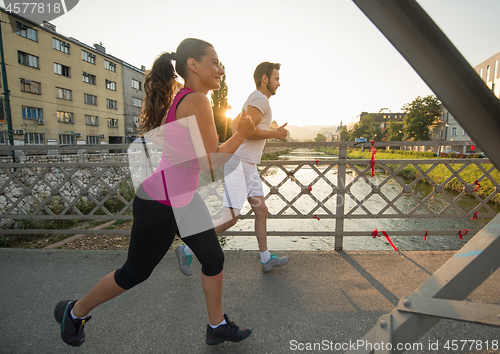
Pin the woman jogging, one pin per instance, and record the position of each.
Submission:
(167, 203)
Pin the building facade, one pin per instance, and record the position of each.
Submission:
(133, 95)
(383, 118)
(489, 72)
(448, 128)
(63, 91)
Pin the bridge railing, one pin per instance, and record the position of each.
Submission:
(90, 183)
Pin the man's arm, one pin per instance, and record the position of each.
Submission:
(280, 133)
(260, 134)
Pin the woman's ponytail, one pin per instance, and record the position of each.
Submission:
(160, 86)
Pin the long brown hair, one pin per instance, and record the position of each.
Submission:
(160, 84)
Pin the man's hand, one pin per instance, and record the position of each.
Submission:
(281, 132)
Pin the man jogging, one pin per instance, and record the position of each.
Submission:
(242, 180)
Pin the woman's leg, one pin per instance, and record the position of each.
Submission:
(196, 229)
(206, 248)
(152, 234)
(104, 291)
(212, 287)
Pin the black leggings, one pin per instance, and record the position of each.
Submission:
(152, 234)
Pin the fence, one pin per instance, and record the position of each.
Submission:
(87, 183)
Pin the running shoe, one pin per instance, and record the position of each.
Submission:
(274, 262)
(71, 329)
(227, 332)
(184, 261)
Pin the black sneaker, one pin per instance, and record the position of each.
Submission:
(228, 332)
(71, 330)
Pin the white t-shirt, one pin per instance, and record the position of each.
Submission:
(251, 150)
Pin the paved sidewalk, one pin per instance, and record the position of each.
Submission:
(319, 297)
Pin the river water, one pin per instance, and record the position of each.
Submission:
(360, 190)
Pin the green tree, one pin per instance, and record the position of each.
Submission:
(219, 108)
(368, 128)
(395, 131)
(339, 128)
(361, 130)
(421, 115)
(320, 137)
(344, 134)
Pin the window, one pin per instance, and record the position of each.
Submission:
(111, 104)
(60, 45)
(89, 78)
(136, 102)
(111, 85)
(88, 57)
(26, 32)
(66, 139)
(62, 70)
(32, 113)
(488, 74)
(31, 86)
(2, 138)
(91, 120)
(34, 138)
(27, 59)
(135, 119)
(89, 99)
(64, 94)
(464, 132)
(112, 123)
(136, 84)
(454, 131)
(64, 117)
(92, 140)
(109, 65)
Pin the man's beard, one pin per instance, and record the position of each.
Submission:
(270, 89)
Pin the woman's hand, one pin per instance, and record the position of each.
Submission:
(246, 127)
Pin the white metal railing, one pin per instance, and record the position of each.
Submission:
(71, 187)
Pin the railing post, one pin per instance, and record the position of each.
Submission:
(339, 212)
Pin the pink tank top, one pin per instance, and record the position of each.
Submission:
(176, 178)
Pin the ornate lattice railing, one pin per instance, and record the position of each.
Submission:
(79, 185)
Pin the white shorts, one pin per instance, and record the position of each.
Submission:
(242, 180)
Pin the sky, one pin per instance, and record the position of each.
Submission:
(335, 63)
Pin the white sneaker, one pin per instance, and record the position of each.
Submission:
(274, 262)
(184, 260)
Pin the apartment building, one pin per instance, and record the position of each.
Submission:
(448, 128)
(63, 91)
(133, 95)
(383, 118)
(489, 73)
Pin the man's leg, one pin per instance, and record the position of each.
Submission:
(269, 261)
(259, 208)
(227, 220)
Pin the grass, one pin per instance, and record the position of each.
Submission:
(328, 151)
(274, 155)
(440, 173)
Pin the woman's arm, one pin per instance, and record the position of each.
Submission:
(196, 108)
